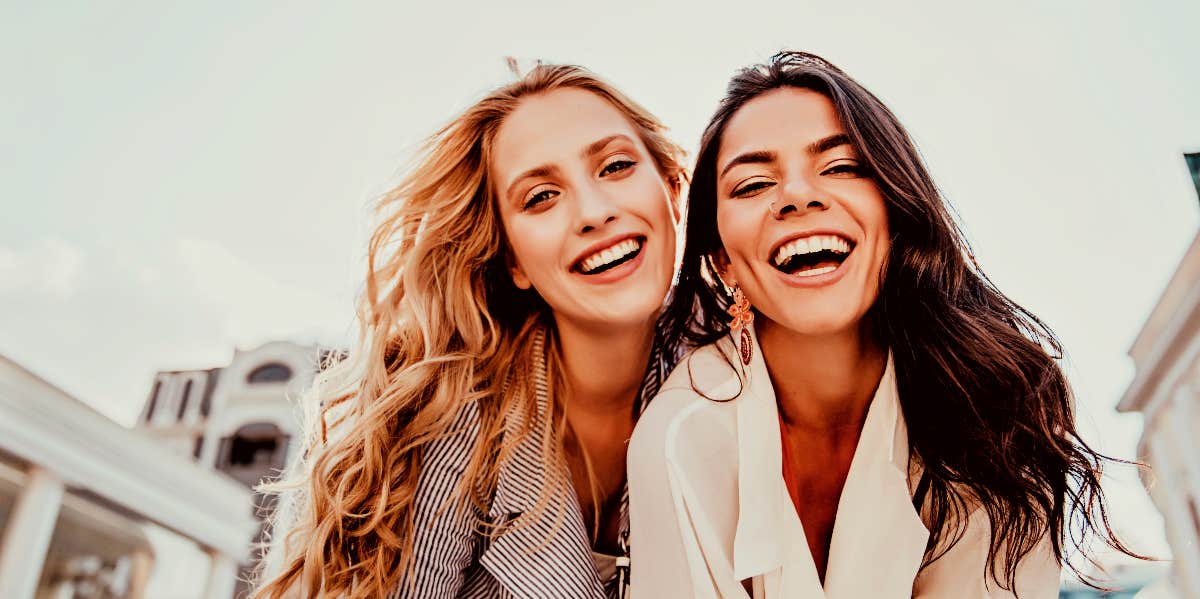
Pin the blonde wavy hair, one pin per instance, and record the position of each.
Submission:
(441, 326)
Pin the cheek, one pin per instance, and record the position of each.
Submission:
(873, 207)
(884, 226)
(877, 271)
(736, 230)
(651, 198)
(883, 240)
(534, 245)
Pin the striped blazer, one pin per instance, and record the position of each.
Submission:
(547, 558)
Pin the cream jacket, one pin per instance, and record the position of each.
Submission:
(709, 508)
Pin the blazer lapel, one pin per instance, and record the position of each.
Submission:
(758, 546)
(549, 555)
(770, 538)
(878, 537)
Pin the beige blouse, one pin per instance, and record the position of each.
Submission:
(709, 508)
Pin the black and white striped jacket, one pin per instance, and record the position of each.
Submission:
(548, 558)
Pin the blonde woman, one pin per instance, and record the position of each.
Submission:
(508, 340)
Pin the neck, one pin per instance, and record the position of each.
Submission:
(604, 366)
(822, 382)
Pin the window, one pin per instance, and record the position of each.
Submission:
(255, 451)
(270, 373)
(245, 450)
(1191, 503)
(206, 395)
(1193, 162)
(183, 401)
(153, 400)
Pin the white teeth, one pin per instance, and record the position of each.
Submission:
(609, 255)
(812, 272)
(809, 245)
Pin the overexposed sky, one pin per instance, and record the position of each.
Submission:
(182, 179)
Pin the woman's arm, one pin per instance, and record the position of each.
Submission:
(961, 573)
(444, 537)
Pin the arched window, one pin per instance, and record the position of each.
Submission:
(255, 451)
(273, 372)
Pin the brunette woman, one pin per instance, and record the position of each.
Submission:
(476, 438)
(870, 416)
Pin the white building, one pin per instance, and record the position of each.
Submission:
(241, 420)
(77, 490)
(1166, 390)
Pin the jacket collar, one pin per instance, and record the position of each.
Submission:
(757, 545)
(554, 544)
(876, 521)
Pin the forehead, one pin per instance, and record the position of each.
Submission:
(553, 127)
(777, 120)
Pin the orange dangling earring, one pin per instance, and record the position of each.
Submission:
(742, 317)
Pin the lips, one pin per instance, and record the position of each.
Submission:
(812, 254)
(609, 254)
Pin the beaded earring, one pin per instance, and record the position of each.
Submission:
(743, 317)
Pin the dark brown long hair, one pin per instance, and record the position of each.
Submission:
(989, 410)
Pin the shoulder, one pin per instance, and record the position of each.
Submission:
(966, 568)
(451, 451)
(694, 409)
(444, 462)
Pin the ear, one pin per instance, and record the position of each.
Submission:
(676, 194)
(518, 275)
(721, 261)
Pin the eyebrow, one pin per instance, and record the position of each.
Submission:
(755, 157)
(828, 143)
(764, 156)
(598, 145)
(546, 170)
(538, 171)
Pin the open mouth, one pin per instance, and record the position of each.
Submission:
(812, 256)
(611, 257)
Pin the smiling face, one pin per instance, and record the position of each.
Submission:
(588, 216)
(803, 225)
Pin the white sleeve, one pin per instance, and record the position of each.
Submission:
(962, 572)
(660, 566)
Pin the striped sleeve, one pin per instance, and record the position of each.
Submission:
(445, 540)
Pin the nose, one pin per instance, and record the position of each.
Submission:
(798, 196)
(595, 209)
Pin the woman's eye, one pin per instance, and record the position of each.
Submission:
(750, 188)
(616, 166)
(538, 199)
(845, 169)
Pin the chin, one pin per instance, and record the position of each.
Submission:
(626, 310)
(618, 320)
(819, 325)
(643, 308)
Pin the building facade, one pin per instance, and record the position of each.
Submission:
(1166, 391)
(78, 491)
(242, 420)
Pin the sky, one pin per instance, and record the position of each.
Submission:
(180, 179)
